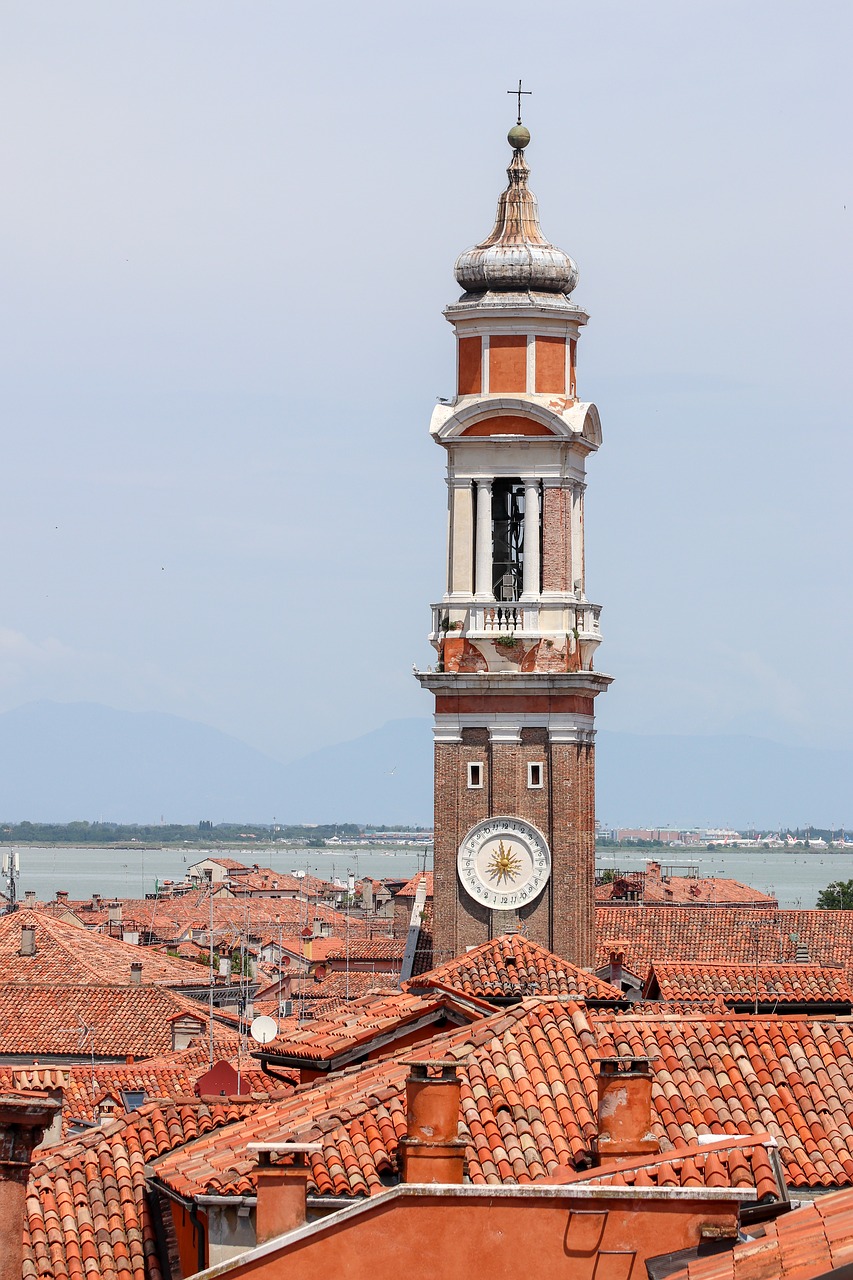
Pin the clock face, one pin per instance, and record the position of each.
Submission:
(504, 863)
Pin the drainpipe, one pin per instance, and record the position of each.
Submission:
(432, 1150)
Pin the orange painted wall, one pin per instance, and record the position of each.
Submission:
(508, 362)
(185, 1235)
(480, 1239)
(470, 366)
(509, 424)
(551, 365)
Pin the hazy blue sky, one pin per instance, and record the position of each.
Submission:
(227, 231)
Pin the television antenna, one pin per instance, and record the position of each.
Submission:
(11, 871)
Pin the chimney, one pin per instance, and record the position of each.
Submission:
(136, 973)
(317, 928)
(225, 965)
(62, 896)
(30, 897)
(282, 1188)
(432, 1150)
(96, 902)
(28, 940)
(113, 913)
(23, 1120)
(616, 960)
(624, 1109)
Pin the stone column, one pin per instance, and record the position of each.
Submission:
(577, 553)
(531, 541)
(461, 539)
(483, 583)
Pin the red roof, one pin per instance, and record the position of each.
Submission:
(529, 1099)
(775, 984)
(721, 936)
(511, 967)
(812, 1241)
(366, 949)
(87, 1209)
(651, 888)
(67, 954)
(108, 1022)
(409, 889)
(170, 1076)
(354, 1029)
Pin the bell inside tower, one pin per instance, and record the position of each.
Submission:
(507, 538)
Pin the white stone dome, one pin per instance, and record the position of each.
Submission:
(516, 256)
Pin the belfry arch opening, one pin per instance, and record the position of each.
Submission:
(507, 538)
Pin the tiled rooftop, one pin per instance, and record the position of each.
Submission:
(87, 1212)
(67, 955)
(528, 1099)
(511, 967)
(657, 890)
(354, 1027)
(108, 1022)
(366, 949)
(728, 1162)
(409, 889)
(170, 1076)
(717, 935)
(812, 1241)
(773, 984)
(340, 985)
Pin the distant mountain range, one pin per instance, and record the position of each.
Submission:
(66, 761)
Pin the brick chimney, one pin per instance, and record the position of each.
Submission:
(23, 1120)
(136, 973)
(28, 940)
(282, 1188)
(432, 1150)
(113, 913)
(62, 897)
(624, 1109)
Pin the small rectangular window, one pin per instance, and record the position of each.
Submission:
(534, 775)
(475, 776)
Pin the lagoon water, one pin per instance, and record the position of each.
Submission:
(796, 877)
(131, 873)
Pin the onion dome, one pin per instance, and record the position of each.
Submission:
(516, 256)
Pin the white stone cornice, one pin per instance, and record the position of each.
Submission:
(577, 422)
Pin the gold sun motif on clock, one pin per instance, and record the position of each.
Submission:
(504, 864)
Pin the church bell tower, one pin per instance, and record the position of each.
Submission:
(515, 635)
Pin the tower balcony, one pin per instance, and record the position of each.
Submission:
(525, 619)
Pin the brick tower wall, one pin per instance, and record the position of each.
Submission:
(563, 809)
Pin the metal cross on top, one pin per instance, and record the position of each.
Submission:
(520, 93)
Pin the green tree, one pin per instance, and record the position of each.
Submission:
(837, 896)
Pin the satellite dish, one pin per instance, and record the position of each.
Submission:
(264, 1029)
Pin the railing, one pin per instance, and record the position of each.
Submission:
(522, 618)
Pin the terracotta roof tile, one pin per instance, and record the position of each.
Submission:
(67, 955)
(807, 1243)
(86, 1209)
(775, 984)
(529, 1097)
(354, 1026)
(108, 1022)
(720, 936)
(511, 967)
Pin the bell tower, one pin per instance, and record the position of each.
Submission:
(515, 635)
